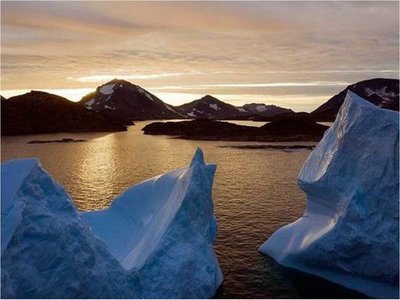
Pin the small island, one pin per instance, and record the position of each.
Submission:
(64, 140)
(288, 128)
(286, 148)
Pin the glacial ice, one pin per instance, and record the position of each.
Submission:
(349, 232)
(154, 241)
(165, 228)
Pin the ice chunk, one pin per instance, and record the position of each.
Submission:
(47, 249)
(349, 231)
(162, 226)
(155, 240)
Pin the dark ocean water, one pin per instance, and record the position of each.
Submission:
(255, 193)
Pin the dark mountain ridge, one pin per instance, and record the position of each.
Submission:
(379, 91)
(264, 110)
(129, 102)
(39, 112)
(211, 108)
(293, 128)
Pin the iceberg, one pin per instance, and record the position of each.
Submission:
(165, 228)
(154, 241)
(349, 233)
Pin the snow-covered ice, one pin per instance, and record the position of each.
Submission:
(161, 227)
(48, 251)
(107, 89)
(241, 109)
(349, 232)
(154, 241)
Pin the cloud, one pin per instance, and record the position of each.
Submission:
(46, 44)
(104, 78)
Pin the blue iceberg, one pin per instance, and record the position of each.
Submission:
(349, 233)
(154, 241)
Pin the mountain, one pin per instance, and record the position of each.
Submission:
(380, 91)
(210, 107)
(264, 110)
(40, 112)
(129, 102)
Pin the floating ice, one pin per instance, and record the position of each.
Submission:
(155, 240)
(47, 249)
(165, 228)
(349, 231)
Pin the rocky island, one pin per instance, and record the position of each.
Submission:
(291, 127)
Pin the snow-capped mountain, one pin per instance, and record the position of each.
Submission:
(210, 107)
(40, 112)
(129, 102)
(380, 91)
(265, 110)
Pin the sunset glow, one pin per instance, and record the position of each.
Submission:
(289, 53)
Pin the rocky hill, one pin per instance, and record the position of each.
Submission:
(380, 91)
(39, 112)
(129, 102)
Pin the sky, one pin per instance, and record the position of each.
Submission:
(292, 54)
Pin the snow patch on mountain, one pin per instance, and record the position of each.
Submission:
(388, 96)
(173, 110)
(261, 107)
(149, 96)
(107, 89)
(215, 107)
(89, 104)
